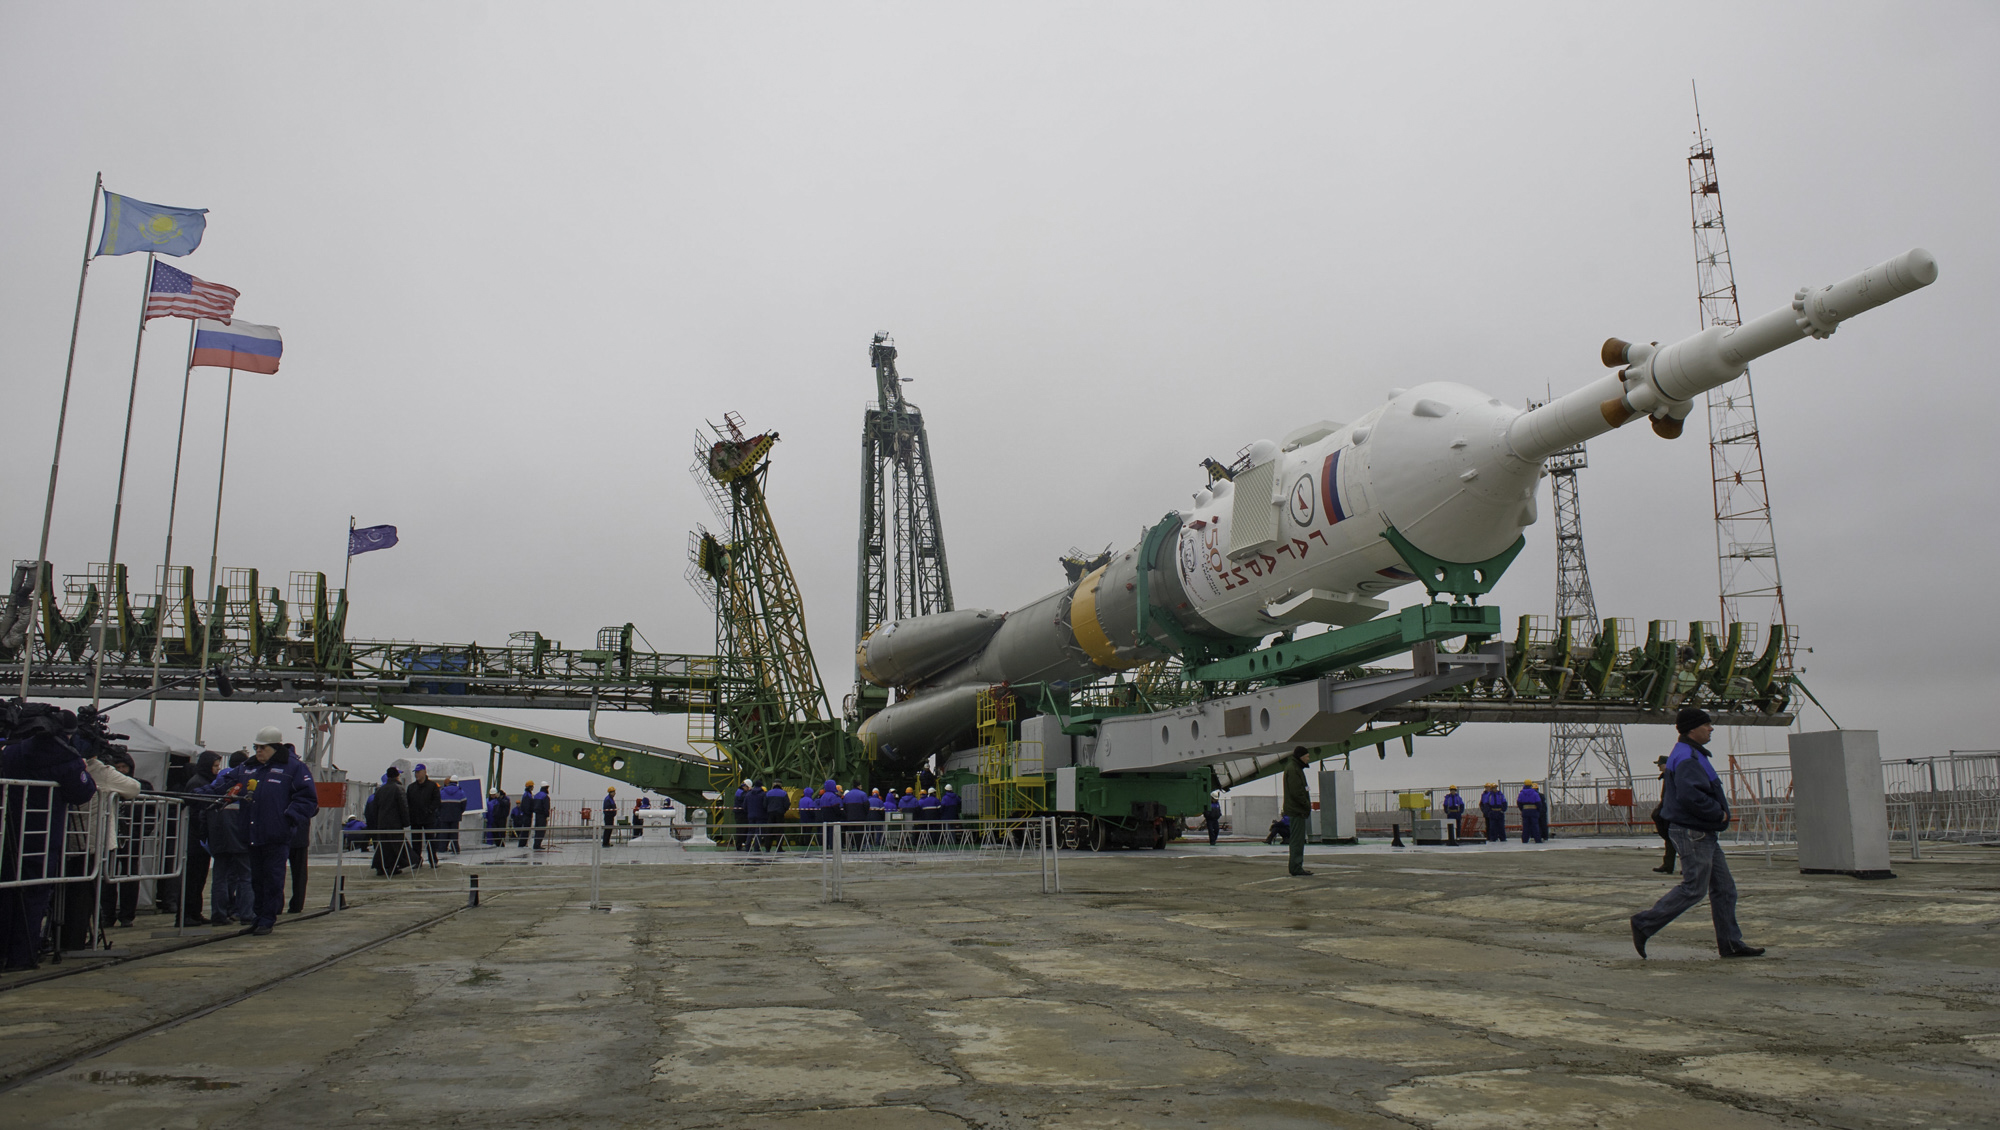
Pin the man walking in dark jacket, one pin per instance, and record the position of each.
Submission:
(277, 796)
(1695, 808)
(1298, 806)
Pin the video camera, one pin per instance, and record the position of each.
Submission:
(84, 729)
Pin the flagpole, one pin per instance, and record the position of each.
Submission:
(346, 574)
(214, 550)
(167, 558)
(55, 461)
(118, 506)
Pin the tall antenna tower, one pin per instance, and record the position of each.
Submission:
(1751, 589)
(1574, 746)
(902, 570)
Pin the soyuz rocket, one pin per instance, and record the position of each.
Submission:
(1315, 529)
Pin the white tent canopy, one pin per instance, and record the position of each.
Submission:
(149, 747)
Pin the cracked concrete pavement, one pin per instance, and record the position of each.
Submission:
(1459, 989)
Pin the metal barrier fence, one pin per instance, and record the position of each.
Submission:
(148, 838)
(840, 853)
(1762, 822)
(107, 837)
(35, 848)
(874, 852)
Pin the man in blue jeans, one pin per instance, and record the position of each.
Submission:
(1696, 808)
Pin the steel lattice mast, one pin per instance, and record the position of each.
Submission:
(901, 569)
(1750, 587)
(773, 723)
(1574, 746)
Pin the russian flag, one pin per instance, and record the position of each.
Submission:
(237, 345)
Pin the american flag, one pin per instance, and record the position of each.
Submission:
(177, 294)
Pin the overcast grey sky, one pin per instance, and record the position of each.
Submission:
(520, 252)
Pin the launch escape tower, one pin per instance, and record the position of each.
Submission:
(900, 570)
(775, 723)
(1574, 746)
(1746, 545)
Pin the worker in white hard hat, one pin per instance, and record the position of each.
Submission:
(277, 798)
(951, 806)
(496, 817)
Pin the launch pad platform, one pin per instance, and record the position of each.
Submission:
(1453, 988)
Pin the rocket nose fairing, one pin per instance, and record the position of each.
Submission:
(1442, 477)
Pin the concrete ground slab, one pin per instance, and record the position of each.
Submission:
(1166, 989)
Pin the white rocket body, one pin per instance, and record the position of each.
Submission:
(1296, 537)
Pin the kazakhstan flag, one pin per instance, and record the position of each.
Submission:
(134, 225)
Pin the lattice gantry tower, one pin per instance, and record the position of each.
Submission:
(771, 719)
(901, 569)
(1575, 746)
(1751, 587)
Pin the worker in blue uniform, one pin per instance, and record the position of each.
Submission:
(610, 808)
(1454, 811)
(878, 813)
(854, 812)
(927, 816)
(1493, 806)
(809, 812)
(1696, 809)
(541, 816)
(951, 807)
(749, 810)
(777, 803)
(1213, 815)
(522, 817)
(276, 796)
(496, 816)
(1534, 814)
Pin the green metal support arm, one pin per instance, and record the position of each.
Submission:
(1356, 645)
(682, 776)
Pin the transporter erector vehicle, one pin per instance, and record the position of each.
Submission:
(1435, 486)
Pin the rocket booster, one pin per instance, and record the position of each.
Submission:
(1297, 535)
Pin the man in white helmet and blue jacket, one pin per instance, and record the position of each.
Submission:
(275, 797)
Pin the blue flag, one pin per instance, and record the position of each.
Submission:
(368, 539)
(134, 225)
